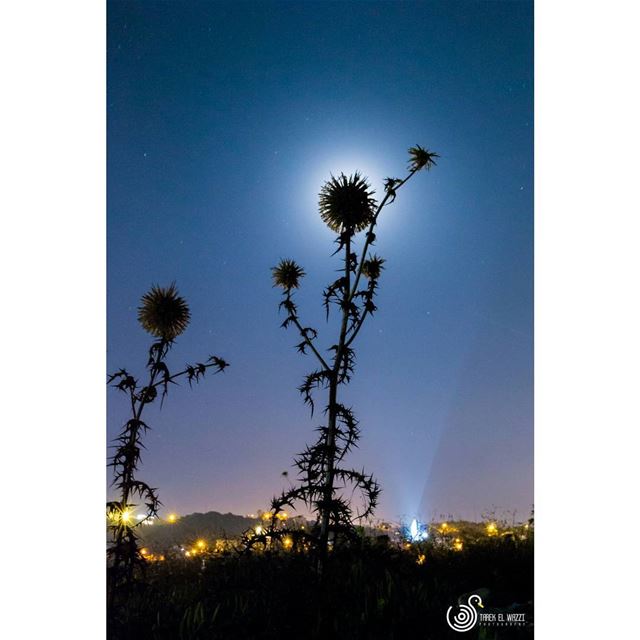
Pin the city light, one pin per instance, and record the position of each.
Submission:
(407, 537)
(171, 518)
(417, 531)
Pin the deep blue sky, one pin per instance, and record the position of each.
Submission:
(223, 121)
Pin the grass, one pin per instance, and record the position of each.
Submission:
(375, 592)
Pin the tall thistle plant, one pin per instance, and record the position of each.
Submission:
(325, 486)
(165, 315)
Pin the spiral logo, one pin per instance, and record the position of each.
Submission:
(467, 615)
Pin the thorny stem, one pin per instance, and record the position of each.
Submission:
(308, 340)
(333, 393)
(144, 400)
(367, 242)
(122, 531)
(343, 344)
(178, 375)
(357, 328)
(137, 411)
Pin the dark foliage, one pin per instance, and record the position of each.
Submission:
(372, 591)
(163, 313)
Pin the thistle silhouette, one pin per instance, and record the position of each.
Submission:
(164, 315)
(325, 486)
(287, 275)
(346, 203)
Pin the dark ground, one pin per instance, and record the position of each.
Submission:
(374, 592)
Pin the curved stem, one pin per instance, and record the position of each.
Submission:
(371, 228)
(352, 337)
(137, 412)
(180, 374)
(310, 343)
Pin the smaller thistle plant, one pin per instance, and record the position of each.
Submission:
(164, 315)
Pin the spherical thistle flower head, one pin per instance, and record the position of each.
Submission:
(420, 158)
(163, 313)
(372, 267)
(346, 203)
(287, 274)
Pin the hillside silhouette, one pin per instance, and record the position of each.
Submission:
(196, 525)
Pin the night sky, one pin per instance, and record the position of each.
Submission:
(223, 121)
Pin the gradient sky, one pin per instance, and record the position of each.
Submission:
(223, 121)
